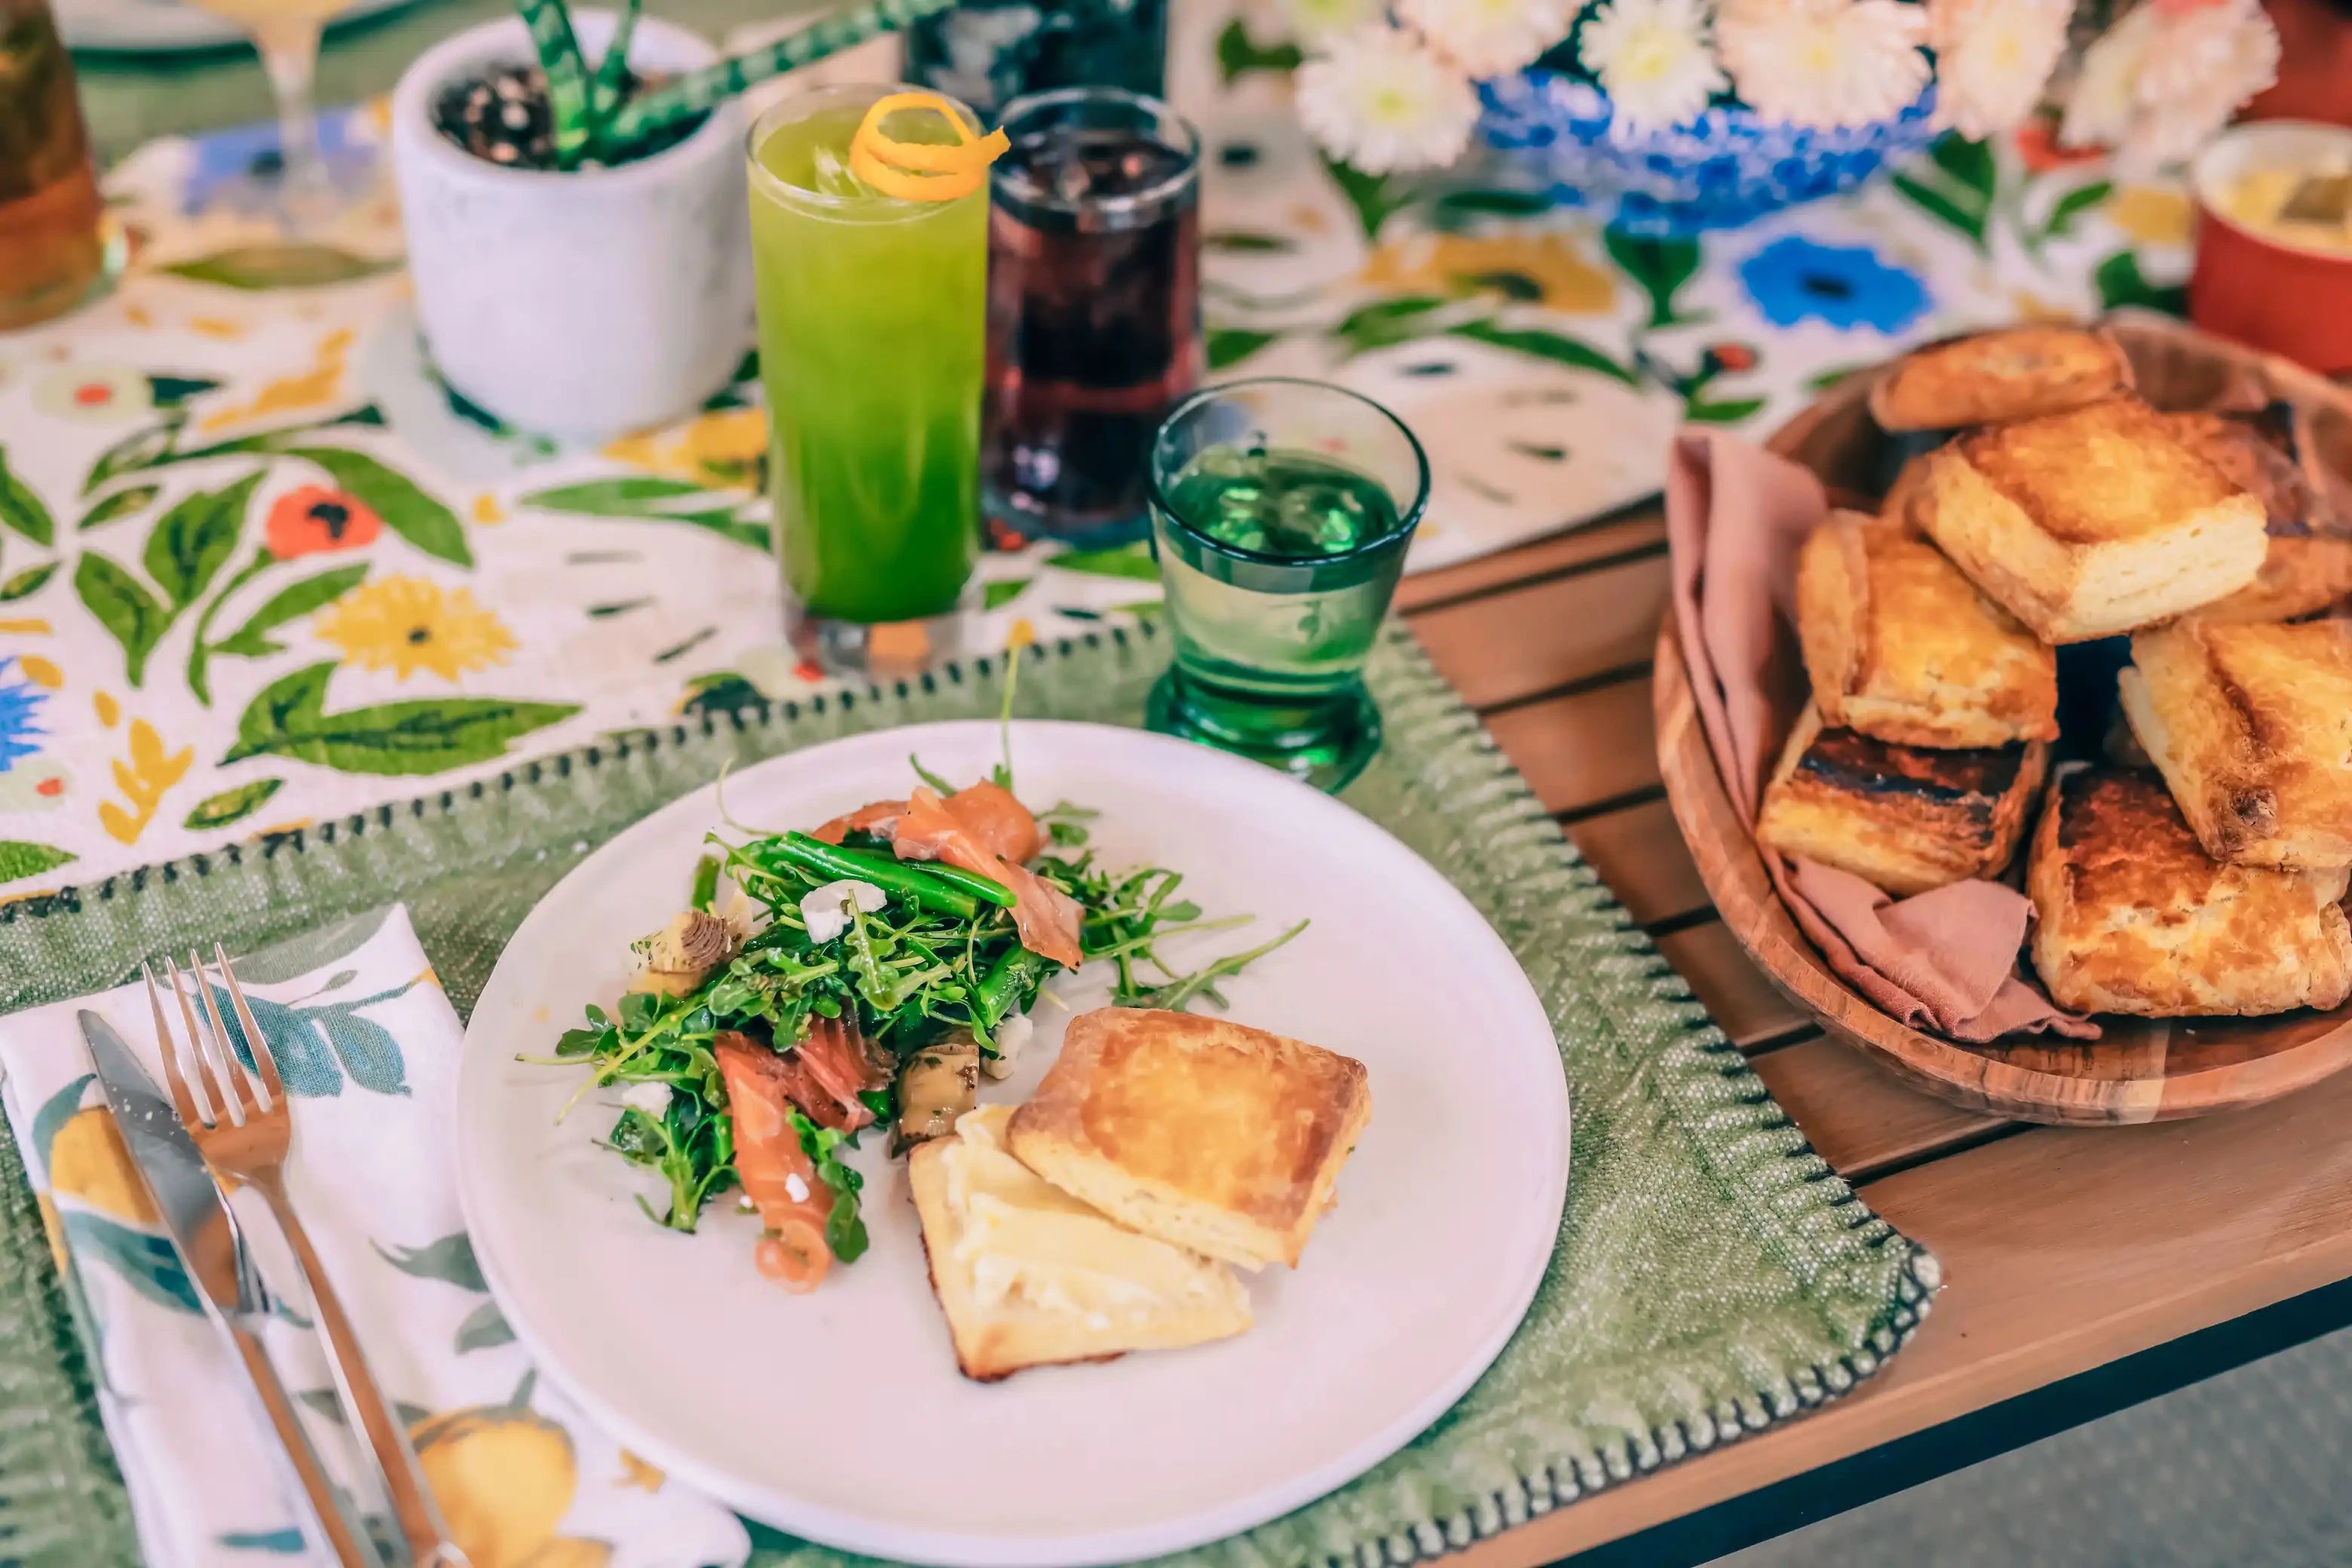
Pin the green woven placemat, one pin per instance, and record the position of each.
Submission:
(1714, 1275)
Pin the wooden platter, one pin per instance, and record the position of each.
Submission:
(2142, 1069)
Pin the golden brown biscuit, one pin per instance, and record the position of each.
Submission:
(2251, 726)
(1906, 818)
(2133, 916)
(2014, 373)
(1028, 1276)
(1902, 646)
(1207, 1134)
(1909, 480)
(2091, 522)
(2308, 565)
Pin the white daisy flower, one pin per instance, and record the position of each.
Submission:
(1312, 21)
(1655, 59)
(2105, 95)
(1489, 37)
(2160, 83)
(1382, 100)
(1825, 63)
(1994, 57)
(2201, 68)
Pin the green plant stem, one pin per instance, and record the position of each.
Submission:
(705, 89)
(568, 104)
(200, 652)
(613, 71)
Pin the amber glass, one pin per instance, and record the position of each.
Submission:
(53, 245)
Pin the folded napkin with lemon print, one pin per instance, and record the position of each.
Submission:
(368, 1043)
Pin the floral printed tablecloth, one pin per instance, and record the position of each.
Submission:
(257, 567)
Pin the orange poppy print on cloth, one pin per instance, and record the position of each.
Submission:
(314, 517)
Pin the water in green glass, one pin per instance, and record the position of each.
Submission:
(871, 339)
(1271, 639)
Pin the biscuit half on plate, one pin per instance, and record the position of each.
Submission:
(1906, 818)
(2308, 565)
(1204, 1132)
(1902, 646)
(2251, 726)
(2013, 373)
(2090, 523)
(2132, 915)
(1028, 1276)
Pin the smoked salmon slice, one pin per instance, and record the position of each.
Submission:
(774, 1169)
(1048, 919)
(833, 1054)
(982, 829)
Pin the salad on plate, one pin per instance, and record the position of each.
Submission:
(866, 974)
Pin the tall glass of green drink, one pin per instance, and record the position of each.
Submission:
(1280, 512)
(872, 335)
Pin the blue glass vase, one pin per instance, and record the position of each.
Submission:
(1727, 167)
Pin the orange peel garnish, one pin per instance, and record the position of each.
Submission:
(922, 170)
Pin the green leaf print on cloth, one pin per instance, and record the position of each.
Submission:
(315, 1047)
(20, 857)
(1660, 266)
(232, 804)
(645, 498)
(26, 583)
(423, 735)
(128, 612)
(407, 509)
(255, 266)
(195, 539)
(21, 510)
(289, 604)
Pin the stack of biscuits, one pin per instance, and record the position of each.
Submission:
(2194, 857)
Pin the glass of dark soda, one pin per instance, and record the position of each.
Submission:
(1094, 309)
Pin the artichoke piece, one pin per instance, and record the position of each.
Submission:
(681, 955)
(938, 1085)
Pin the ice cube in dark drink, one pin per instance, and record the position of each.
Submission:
(1094, 310)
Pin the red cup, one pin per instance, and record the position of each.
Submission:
(2292, 300)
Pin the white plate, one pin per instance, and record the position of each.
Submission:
(840, 1415)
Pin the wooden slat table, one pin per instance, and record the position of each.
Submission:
(2063, 1249)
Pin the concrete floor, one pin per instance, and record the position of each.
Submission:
(2247, 1470)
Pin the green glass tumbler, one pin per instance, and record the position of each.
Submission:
(1280, 514)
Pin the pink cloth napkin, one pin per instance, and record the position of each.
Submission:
(1944, 960)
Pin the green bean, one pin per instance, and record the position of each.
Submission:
(1018, 971)
(941, 890)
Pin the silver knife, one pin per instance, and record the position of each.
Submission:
(204, 1232)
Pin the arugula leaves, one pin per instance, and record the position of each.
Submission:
(906, 974)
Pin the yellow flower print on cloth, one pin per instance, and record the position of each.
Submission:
(1546, 268)
(408, 624)
(723, 447)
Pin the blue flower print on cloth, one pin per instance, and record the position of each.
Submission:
(20, 709)
(1796, 279)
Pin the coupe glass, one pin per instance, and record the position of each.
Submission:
(285, 33)
(1281, 510)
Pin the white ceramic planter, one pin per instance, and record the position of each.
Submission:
(582, 305)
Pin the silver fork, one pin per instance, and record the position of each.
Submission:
(244, 1138)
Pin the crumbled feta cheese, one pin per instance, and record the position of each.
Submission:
(653, 1099)
(798, 1188)
(823, 911)
(1010, 1036)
